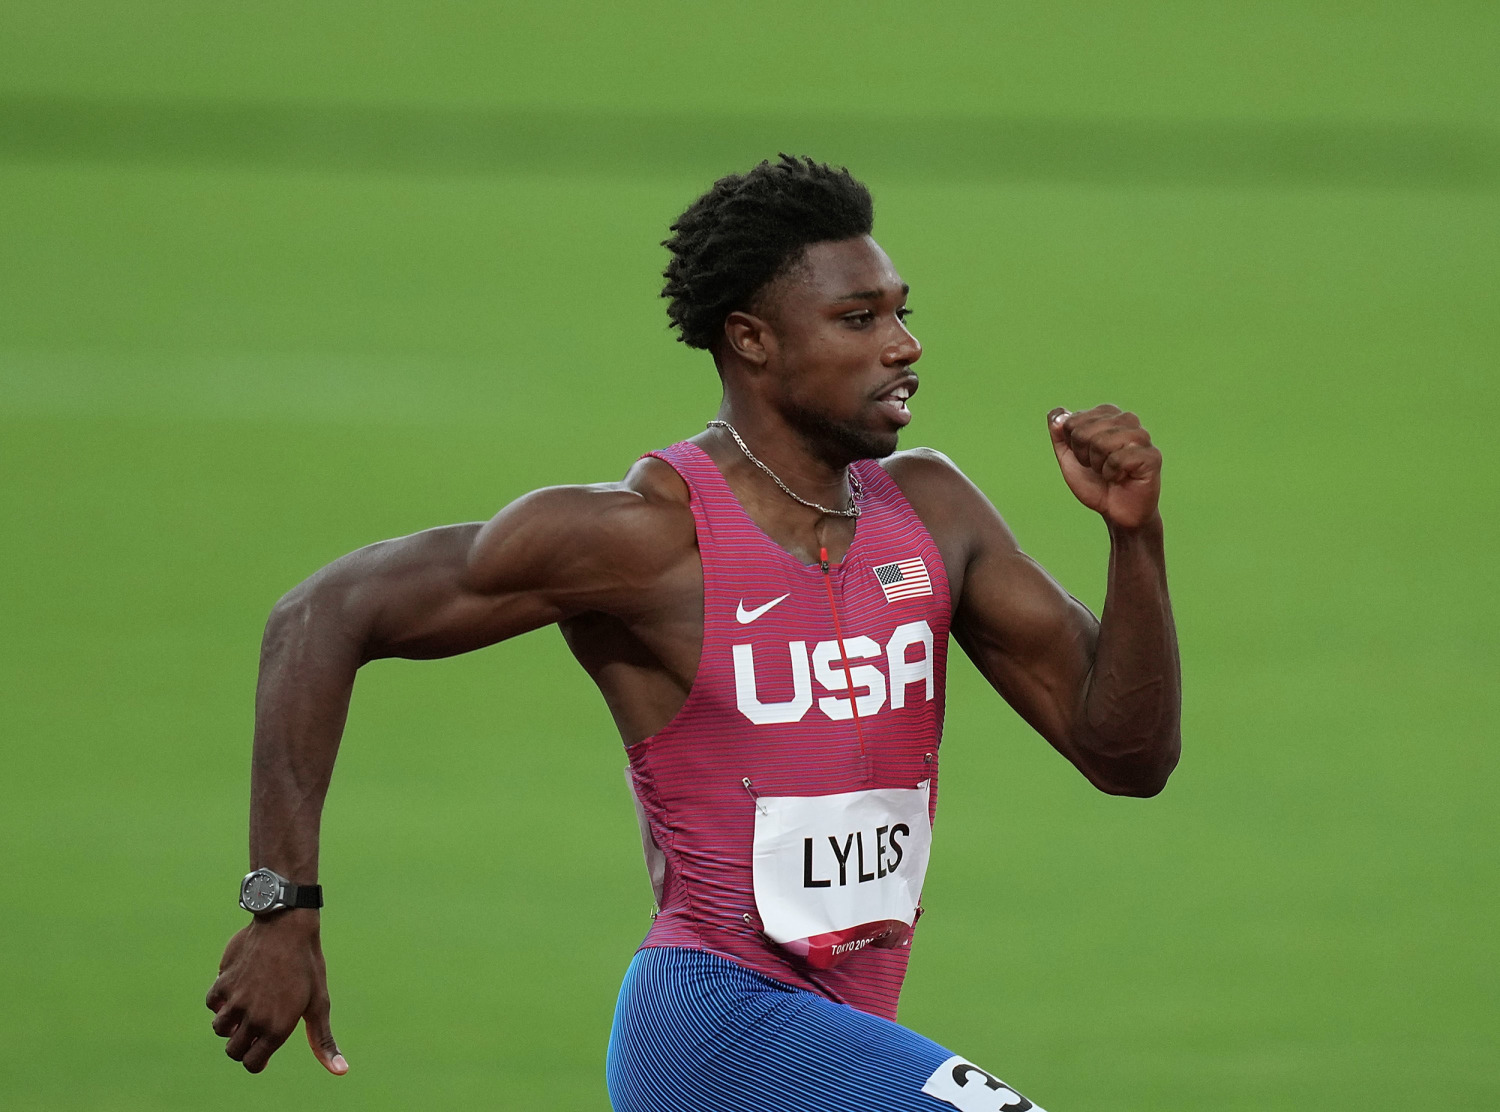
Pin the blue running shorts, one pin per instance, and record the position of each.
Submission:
(695, 1032)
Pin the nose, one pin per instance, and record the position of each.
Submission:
(904, 348)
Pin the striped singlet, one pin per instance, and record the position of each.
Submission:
(769, 716)
(714, 1016)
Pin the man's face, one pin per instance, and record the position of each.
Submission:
(841, 355)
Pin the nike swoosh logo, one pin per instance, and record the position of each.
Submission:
(745, 617)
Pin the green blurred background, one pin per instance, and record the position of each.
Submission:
(280, 280)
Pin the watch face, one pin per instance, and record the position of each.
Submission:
(259, 891)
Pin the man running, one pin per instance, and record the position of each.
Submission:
(766, 609)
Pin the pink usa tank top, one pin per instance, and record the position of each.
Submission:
(786, 810)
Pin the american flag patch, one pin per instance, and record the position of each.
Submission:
(904, 579)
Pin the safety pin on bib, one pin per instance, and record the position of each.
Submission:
(759, 806)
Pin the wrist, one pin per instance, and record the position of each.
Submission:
(1150, 529)
(288, 920)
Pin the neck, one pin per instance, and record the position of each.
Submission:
(796, 461)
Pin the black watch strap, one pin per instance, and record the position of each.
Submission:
(306, 895)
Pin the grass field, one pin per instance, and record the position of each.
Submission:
(277, 284)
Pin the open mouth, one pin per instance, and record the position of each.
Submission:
(896, 397)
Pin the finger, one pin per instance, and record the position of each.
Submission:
(227, 1020)
(1096, 445)
(216, 995)
(320, 1037)
(1091, 426)
(1077, 431)
(1099, 418)
(258, 1055)
(240, 1042)
(1138, 461)
(1098, 412)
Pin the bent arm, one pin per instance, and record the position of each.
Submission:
(418, 596)
(272, 973)
(551, 554)
(1105, 693)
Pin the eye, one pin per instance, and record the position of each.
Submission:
(859, 318)
(902, 313)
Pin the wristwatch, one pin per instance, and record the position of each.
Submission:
(264, 890)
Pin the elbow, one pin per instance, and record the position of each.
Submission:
(287, 625)
(289, 612)
(297, 608)
(1142, 774)
(1147, 787)
(319, 611)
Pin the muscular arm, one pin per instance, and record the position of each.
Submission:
(416, 596)
(437, 593)
(1105, 693)
(552, 554)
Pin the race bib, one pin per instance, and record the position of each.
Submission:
(970, 1089)
(836, 873)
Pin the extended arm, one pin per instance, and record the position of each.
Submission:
(552, 554)
(1105, 693)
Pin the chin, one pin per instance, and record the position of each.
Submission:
(864, 442)
(882, 445)
(843, 442)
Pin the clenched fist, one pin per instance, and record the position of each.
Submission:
(1109, 463)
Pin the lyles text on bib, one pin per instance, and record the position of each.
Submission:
(834, 874)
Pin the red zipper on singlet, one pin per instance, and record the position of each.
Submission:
(838, 633)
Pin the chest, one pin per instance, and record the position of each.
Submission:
(797, 644)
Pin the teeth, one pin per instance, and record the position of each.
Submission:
(900, 394)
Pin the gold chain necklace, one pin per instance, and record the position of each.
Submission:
(856, 488)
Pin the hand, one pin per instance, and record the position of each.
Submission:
(1108, 462)
(272, 974)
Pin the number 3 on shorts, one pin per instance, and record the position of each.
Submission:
(970, 1089)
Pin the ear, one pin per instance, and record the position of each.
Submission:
(749, 337)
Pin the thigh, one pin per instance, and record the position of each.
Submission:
(696, 1033)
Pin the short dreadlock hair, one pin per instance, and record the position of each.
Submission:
(750, 229)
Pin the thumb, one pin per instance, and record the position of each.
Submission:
(320, 1038)
(1086, 486)
(1055, 429)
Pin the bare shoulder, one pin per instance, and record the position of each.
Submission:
(963, 522)
(628, 532)
(946, 499)
(925, 472)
